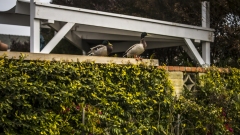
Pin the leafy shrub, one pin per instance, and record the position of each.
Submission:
(50, 97)
(44, 97)
(214, 109)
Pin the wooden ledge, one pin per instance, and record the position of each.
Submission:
(76, 58)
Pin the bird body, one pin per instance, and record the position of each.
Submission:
(101, 50)
(137, 49)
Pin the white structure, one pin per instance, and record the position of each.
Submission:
(76, 24)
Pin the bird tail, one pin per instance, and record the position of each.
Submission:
(90, 54)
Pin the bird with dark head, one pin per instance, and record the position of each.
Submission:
(144, 34)
(137, 49)
(103, 49)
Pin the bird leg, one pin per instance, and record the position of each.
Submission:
(140, 58)
(137, 58)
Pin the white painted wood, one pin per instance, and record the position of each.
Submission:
(117, 15)
(96, 25)
(104, 36)
(206, 53)
(46, 22)
(50, 21)
(205, 14)
(206, 23)
(189, 52)
(128, 23)
(197, 41)
(70, 36)
(34, 30)
(56, 39)
(123, 46)
(193, 49)
(78, 58)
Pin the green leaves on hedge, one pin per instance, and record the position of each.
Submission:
(45, 97)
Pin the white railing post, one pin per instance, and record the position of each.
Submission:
(34, 30)
(206, 23)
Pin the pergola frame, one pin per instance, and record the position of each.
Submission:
(76, 24)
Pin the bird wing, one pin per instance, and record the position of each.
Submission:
(95, 48)
(136, 49)
(130, 48)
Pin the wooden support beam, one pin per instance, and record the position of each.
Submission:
(128, 23)
(193, 50)
(70, 36)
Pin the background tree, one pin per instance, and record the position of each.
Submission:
(225, 50)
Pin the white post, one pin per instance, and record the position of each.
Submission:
(34, 30)
(206, 23)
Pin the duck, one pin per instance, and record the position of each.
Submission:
(137, 49)
(103, 49)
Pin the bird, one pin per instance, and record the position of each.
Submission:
(103, 49)
(137, 49)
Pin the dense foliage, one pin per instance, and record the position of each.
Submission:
(224, 14)
(57, 97)
(215, 108)
(43, 97)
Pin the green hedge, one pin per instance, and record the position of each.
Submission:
(215, 108)
(43, 97)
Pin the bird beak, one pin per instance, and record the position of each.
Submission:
(148, 35)
(109, 44)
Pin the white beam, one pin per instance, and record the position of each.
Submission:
(34, 30)
(103, 36)
(109, 31)
(46, 22)
(193, 49)
(128, 23)
(55, 40)
(123, 46)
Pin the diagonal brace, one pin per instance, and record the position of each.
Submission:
(194, 51)
(70, 36)
(56, 39)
